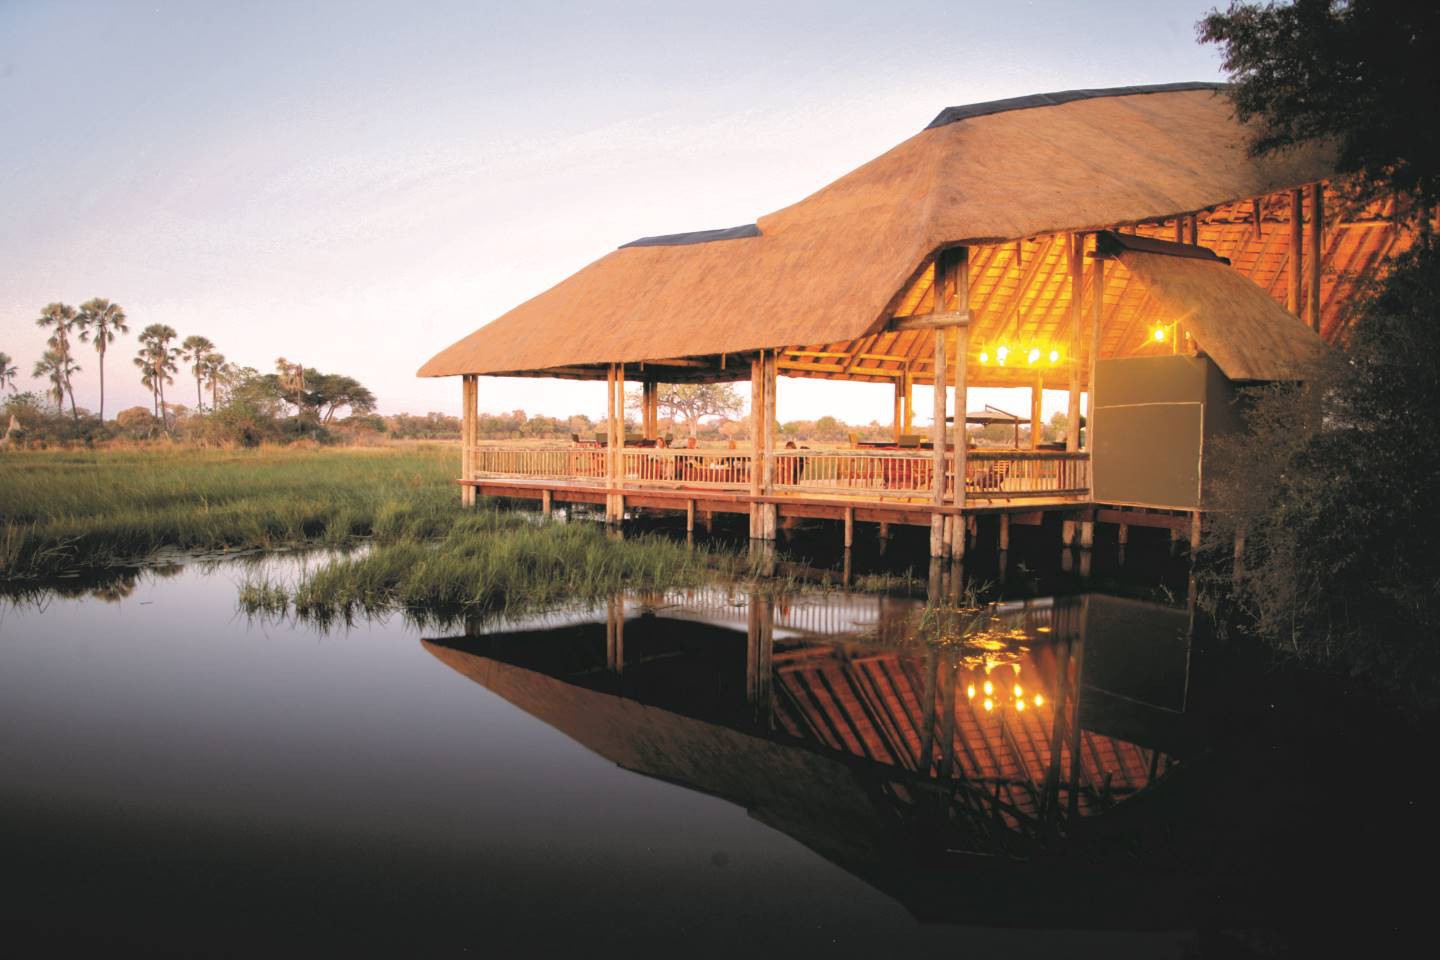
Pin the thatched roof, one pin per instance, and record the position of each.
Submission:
(1246, 333)
(839, 264)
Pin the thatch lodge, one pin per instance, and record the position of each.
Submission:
(1120, 244)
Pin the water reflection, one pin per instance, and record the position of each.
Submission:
(888, 734)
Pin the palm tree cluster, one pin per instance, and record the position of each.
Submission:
(99, 321)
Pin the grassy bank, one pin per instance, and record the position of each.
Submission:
(66, 510)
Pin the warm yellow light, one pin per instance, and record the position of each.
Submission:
(1018, 691)
(989, 704)
(970, 691)
(1159, 334)
(984, 357)
(1054, 356)
(989, 688)
(1033, 355)
(1001, 354)
(1019, 706)
(1039, 700)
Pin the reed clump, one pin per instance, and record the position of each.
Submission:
(490, 562)
(63, 511)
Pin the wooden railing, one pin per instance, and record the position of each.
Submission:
(708, 469)
(896, 474)
(1026, 473)
(862, 474)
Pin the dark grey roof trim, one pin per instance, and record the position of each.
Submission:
(953, 114)
(1108, 243)
(698, 236)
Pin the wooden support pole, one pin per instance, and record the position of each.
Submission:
(960, 276)
(1124, 534)
(1097, 315)
(1297, 252)
(1037, 426)
(1195, 531)
(547, 502)
(1004, 532)
(1077, 290)
(1067, 532)
(614, 437)
(467, 438)
(1317, 251)
(849, 527)
(937, 440)
(899, 410)
(1179, 229)
(768, 510)
(689, 516)
(1194, 223)
(1087, 532)
(909, 382)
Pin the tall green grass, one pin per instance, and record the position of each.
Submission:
(62, 511)
(490, 562)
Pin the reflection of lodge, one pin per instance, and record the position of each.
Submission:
(870, 755)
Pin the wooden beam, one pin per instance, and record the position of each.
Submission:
(929, 321)
(1255, 215)
(1097, 316)
(1297, 243)
(1317, 250)
(937, 440)
(1077, 289)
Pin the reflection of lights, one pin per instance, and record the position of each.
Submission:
(1039, 700)
(1019, 706)
(989, 704)
(1018, 691)
(970, 691)
(989, 688)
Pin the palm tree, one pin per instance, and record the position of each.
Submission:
(216, 371)
(57, 368)
(103, 320)
(157, 362)
(194, 349)
(61, 317)
(8, 371)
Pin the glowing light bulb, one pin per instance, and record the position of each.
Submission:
(1054, 356)
(1033, 355)
(1001, 354)
(1018, 691)
(984, 357)
(1039, 700)
(989, 688)
(1159, 334)
(989, 704)
(970, 691)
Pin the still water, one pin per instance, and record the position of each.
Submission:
(715, 773)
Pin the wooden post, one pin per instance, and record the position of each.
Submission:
(1194, 230)
(1317, 250)
(1297, 244)
(1077, 290)
(767, 478)
(468, 391)
(547, 502)
(1179, 229)
(849, 527)
(614, 438)
(1097, 311)
(1037, 428)
(689, 516)
(959, 466)
(1195, 531)
(1124, 534)
(899, 411)
(1004, 532)
(937, 441)
(908, 379)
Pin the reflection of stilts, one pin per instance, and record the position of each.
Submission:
(615, 635)
(1077, 654)
(759, 651)
(927, 721)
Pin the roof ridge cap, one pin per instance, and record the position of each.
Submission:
(1031, 101)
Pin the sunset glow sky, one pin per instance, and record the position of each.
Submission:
(357, 185)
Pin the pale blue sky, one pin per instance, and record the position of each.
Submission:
(357, 185)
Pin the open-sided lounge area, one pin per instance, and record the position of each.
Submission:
(1118, 245)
